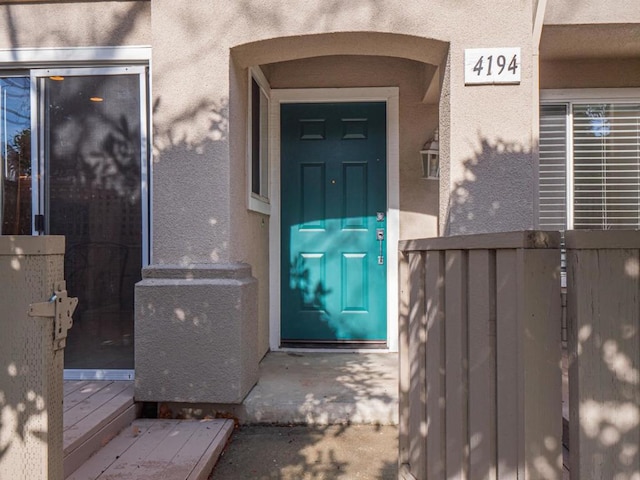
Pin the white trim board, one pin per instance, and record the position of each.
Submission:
(390, 95)
(590, 94)
(256, 203)
(29, 57)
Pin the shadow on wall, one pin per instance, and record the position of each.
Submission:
(494, 190)
(103, 31)
(177, 150)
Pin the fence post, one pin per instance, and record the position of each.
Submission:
(31, 356)
(603, 310)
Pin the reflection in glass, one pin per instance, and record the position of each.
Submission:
(15, 155)
(93, 159)
(606, 166)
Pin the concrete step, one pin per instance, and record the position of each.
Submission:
(158, 448)
(94, 413)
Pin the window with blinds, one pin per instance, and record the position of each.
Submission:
(602, 158)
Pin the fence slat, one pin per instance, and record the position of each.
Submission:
(482, 389)
(435, 363)
(417, 333)
(507, 365)
(455, 364)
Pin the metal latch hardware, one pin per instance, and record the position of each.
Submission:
(60, 307)
(380, 239)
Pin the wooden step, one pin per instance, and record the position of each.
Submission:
(94, 413)
(157, 448)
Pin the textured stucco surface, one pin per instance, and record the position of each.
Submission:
(588, 73)
(590, 41)
(75, 24)
(487, 159)
(584, 12)
(195, 334)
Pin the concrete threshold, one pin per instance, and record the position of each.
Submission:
(322, 389)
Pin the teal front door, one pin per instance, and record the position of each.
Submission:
(333, 220)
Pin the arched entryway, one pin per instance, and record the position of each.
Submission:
(400, 72)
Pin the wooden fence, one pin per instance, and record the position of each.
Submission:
(480, 353)
(603, 309)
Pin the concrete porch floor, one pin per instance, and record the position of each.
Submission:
(322, 389)
(317, 415)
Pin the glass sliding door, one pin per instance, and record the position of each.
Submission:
(92, 156)
(15, 156)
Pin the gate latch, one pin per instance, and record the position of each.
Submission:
(60, 307)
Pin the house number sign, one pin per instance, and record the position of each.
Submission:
(488, 66)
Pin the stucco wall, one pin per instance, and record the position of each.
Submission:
(590, 41)
(75, 24)
(489, 171)
(560, 12)
(590, 73)
(249, 229)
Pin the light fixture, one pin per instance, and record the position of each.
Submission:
(96, 99)
(56, 78)
(430, 157)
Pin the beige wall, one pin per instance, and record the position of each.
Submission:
(590, 73)
(75, 24)
(589, 41)
(249, 230)
(584, 12)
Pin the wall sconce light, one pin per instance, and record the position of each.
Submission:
(430, 156)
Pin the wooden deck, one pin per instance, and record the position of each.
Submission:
(94, 413)
(103, 440)
(167, 449)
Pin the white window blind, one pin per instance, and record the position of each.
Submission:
(606, 166)
(589, 165)
(553, 167)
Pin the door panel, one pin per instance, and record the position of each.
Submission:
(92, 150)
(333, 184)
(15, 153)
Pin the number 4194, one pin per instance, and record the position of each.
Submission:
(500, 65)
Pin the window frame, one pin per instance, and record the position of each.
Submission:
(569, 97)
(258, 201)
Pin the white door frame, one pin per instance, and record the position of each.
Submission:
(389, 95)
